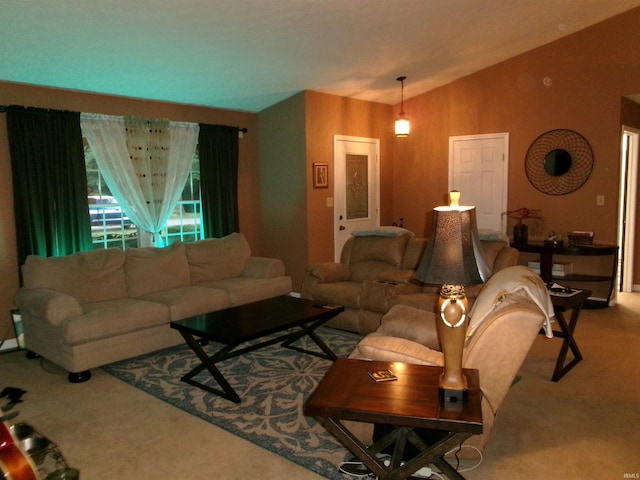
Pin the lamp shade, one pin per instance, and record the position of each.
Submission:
(403, 127)
(453, 255)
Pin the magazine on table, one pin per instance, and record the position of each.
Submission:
(561, 291)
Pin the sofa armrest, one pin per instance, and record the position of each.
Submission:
(410, 323)
(263, 267)
(381, 347)
(53, 306)
(330, 272)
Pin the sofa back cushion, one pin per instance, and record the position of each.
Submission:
(373, 255)
(217, 258)
(413, 253)
(93, 276)
(149, 270)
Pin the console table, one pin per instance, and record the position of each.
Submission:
(347, 392)
(547, 251)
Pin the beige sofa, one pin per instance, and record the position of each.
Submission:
(92, 308)
(376, 271)
(505, 320)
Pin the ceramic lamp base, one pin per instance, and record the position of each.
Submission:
(452, 329)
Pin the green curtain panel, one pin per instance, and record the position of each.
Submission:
(218, 152)
(49, 182)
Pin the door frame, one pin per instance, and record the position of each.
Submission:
(504, 136)
(627, 207)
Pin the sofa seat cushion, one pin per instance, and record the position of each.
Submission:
(346, 294)
(151, 270)
(371, 270)
(113, 318)
(243, 290)
(94, 276)
(190, 301)
(217, 258)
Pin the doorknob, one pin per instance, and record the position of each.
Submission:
(342, 227)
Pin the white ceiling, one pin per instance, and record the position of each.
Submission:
(250, 54)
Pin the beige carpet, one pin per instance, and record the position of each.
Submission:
(585, 426)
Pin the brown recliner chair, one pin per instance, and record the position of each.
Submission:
(376, 271)
(504, 321)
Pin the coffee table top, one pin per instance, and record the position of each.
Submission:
(256, 319)
(347, 392)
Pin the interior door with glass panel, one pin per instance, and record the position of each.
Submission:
(356, 194)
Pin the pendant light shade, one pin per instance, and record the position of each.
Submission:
(403, 127)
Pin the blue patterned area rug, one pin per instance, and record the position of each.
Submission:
(273, 383)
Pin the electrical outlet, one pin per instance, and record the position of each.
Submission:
(600, 200)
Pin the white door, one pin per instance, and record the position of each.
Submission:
(356, 179)
(478, 169)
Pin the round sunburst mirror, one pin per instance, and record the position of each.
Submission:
(559, 162)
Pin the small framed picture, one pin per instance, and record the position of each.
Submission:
(320, 175)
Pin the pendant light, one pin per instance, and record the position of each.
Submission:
(402, 123)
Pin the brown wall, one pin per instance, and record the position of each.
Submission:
(283, 216)
(283, 183)
(329, 115)
(17, 94)
(294, 134)
(589, 71)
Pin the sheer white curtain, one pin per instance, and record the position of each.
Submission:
(145, 163)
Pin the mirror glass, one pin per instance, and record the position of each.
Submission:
(557, 162)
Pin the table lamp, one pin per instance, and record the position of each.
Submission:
(453, 258)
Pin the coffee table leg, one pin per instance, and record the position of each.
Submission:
(208, 362)
(310, 331)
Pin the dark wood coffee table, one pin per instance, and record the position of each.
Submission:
(237, 325)
(347, 392)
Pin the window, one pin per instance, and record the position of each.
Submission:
(110, 227)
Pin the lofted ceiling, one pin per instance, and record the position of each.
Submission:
(250, 54)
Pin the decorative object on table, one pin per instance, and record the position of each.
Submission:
(554, 239)
(453, 258)
(558, 290)
(402, 126)
(521, 229)
(559, 162)
(580, 238)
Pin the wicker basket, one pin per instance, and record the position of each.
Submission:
(580, 238)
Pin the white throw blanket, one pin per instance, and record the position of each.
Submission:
(508, 281)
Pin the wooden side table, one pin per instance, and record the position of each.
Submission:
(347, 392)
(560, 306)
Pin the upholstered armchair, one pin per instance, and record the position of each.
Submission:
(376, 271)
(504, 321)
(367, 256)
